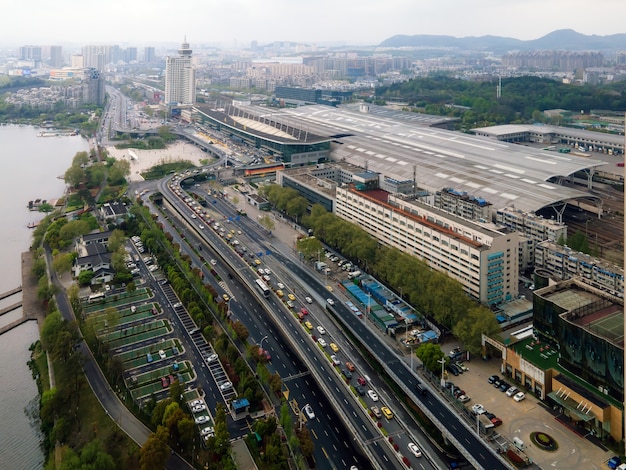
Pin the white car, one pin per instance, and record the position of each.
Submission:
(321, 330)
(201, 419)
(213, 262)
(308, 409)
(212, 357)
(207, 431)
(226, 386)
(321, 342)
(201, 227)
(162, 354)
(519, 396)
(330, 301)
(512, 391)
(334, 360)
(195, 403)
(198, 408)
(308, 300)
(478, 409)
(373, 395)
(280, 285)
(414, 450)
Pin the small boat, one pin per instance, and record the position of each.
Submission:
(32, 225)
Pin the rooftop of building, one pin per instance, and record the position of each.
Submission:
(385, 198)
(582, 134)
(262, 126)
(591, 309)
(598, 263)
(394, 145)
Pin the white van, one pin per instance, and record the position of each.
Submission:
(517, 442)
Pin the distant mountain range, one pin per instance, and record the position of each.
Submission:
(563, 39)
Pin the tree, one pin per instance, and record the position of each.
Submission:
(470, 328)
(119, 171)
(267, 222)
(74, 175)
(117, 239)
(85, 277)
(430, 354)
(63, 262)
(155, 451)
(241, 331)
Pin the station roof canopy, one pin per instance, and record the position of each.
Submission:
(501, 173)
(261, 126)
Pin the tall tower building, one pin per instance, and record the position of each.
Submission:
(180, 78)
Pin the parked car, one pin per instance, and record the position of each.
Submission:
(201, 419)
(519, 396)
(464, 398)
(512, 391)
(226, 386)
(198, 408)
(478, 409)
(493, 378)
(212, 357)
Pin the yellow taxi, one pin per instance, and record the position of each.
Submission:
(225, 297)
(387, 412)
(291, 297)
(334, 347)
(279, 293)
(257, 262)
(330, 289)
(308, 325)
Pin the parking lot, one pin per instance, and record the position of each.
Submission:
(519, 419)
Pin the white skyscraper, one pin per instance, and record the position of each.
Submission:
(180, 78)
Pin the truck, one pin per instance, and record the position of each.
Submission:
(485, 424)
(320, 266)
(354, 274)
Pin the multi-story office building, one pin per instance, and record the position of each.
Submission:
(56, 56)
(483, 260)
(564, 263)
(180, 78)
(93, 87)
(77, 61)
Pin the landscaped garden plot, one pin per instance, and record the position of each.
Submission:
(144, 384)
(137, 333)
(117, 300)
(137, 357)
(125, 316)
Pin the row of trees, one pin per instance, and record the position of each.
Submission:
(431, 292)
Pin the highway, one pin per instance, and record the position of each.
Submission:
(331, 444)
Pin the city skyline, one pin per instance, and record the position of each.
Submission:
(238, 22)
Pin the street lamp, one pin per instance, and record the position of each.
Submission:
(261, 342)
(442, 361)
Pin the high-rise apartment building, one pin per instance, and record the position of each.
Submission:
(95, 57)
(149, 55)
(56, 56)
(30, 53)
(130, 55)
(180, 78)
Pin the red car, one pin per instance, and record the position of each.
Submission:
(361, 381)
(164, 382)
(304, 311)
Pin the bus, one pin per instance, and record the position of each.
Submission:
(99, 297)
(263, 288)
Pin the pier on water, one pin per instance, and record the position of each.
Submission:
(31, 308)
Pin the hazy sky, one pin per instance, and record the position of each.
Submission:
(237, 22)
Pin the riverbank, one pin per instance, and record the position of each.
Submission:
(142, 160)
